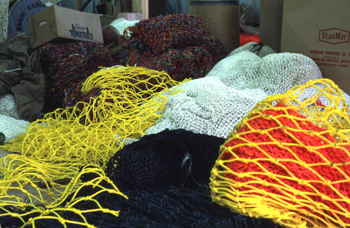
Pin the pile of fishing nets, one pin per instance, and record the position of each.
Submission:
(271, 72)
(213, 105)
(289, 159)
(47, 161)
(164, 177)
(179, 44)
(67, 65)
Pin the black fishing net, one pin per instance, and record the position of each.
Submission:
(170, 207)
(176, 157)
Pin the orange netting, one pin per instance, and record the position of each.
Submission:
(289, 159)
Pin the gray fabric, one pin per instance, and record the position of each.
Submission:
(20, 74)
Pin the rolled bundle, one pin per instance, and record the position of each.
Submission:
(179, 44)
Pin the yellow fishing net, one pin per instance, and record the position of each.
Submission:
(53, 149)
(288, 160)
(64, 209)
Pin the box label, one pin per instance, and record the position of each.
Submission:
(82, 32)
(333, 36)
(331, 58)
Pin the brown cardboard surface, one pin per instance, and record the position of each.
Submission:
(58, 22)
(320, 29)
(271, 23)
(223, 22)
(42, 27)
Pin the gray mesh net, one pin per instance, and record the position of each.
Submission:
(4, 5)
(8, 106)
(274, 73)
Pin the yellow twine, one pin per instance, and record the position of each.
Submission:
(54, 148)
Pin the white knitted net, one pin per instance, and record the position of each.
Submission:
(239, 71)
(4, 7)
(8, 106)
(274, 73)
(12, 127)
(10, 124)
(207, 106)
(121, 24)
(215, 104)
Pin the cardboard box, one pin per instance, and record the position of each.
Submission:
(57, 22)
(222, 20)
(271, 23)
(320, 29)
